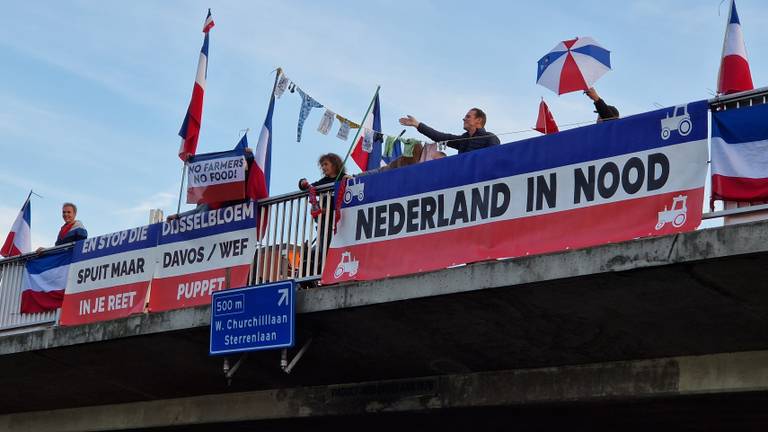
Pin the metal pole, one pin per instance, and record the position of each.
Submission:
(181, 187)
(357, 134)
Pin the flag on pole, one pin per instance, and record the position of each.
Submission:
(367, 150)
(258, 179)
(18, 241)
(545, 123)
(734, 75)
(740, 154)
(44, 281)
(190, 128)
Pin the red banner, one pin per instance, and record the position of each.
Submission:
(202, 253)
(109, 276)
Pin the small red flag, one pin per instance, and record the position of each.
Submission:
(546, 122)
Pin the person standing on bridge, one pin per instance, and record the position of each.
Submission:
(332, 167)
(475, 137)
(72, 230)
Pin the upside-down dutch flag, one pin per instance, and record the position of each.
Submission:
(190, 128)
(18, 241)
(258, 179)
(44, 281)
(734, 75)
(740, 154)
(372, 124)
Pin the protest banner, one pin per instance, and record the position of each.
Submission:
(216, 177)
(201, 253)
(639, 176)
(109, 275)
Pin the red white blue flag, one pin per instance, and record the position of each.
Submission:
(190, 128)
(44, 281)
(18, 241)
(367, 150)
(638, 176)
(734, 73)
(740, 154)
(258, 178)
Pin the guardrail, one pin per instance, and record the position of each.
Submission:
(292, 243)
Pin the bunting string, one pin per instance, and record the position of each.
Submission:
(345, 125)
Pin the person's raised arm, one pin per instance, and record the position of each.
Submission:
(426, 130)
(409, 120)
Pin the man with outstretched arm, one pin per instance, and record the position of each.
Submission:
(475, 137)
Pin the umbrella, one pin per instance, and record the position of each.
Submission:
(573, 65)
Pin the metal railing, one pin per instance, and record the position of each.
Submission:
(293, 244)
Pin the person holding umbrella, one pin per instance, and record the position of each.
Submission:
(475, 137)
(574, 65)
(604, 111)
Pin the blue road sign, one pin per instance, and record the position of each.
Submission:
(253, 318)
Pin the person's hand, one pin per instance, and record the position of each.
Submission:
(409, 121)
(248, 150)
(592, 94)
(39, 250)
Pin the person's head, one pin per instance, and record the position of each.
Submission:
(68, 212)
(331, 164)
(474, 119)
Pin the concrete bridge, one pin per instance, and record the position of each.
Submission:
(659, 331)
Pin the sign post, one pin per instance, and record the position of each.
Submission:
(253, 318)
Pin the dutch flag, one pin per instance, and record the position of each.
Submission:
(372, 125)
(734, 75)
(190, 128)
(18, 241)
(258, 179)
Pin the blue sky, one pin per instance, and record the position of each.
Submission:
(93, 93)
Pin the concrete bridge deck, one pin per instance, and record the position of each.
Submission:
(655, 323)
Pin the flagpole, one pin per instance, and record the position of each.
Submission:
(268, 157)
(181, 187)
(357, 134)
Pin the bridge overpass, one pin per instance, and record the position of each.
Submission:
(658, 331)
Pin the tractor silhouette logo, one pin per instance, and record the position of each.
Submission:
(679, 121)
(354, 188)
(346, 265)
(677, 215)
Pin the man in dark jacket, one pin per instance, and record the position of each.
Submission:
(603, 110)
(475, 137)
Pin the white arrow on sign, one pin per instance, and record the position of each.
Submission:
(283, 296)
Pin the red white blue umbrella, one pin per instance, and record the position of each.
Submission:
(573, 65)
